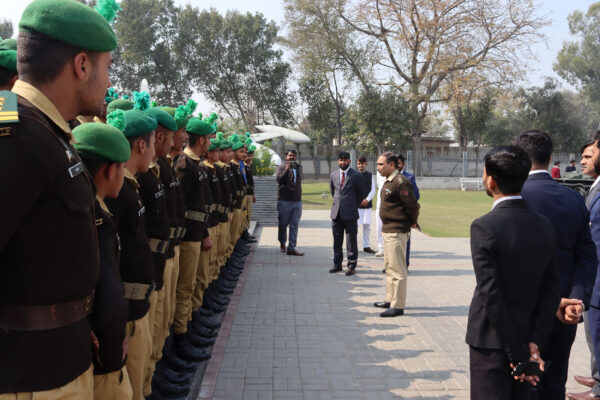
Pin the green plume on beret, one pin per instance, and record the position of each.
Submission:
(108, 9)
(236, 143)
(111, 94)
(153, 104)
(8, 44)
(116, 119)
(121, 104)
(191, 107)
(102, 141)
(163, 118)
(251, 149)
(141, 101)
(248, 141)
(181, 116)
(125, 97)
(70, 22)
(137, 123)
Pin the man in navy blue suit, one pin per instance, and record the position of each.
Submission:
(576, 254)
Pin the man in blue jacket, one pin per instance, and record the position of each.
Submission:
(577, 263)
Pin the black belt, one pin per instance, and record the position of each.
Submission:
(44, 317)
(197, 216)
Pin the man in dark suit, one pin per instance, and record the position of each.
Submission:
(565, 208)
(518, 290)
(346, 190)
(289, 201)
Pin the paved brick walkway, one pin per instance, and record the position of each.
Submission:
(301, 333)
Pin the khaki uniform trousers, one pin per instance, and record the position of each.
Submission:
(80, 388)
(172, 290)
(396, 273)
(186, 280)
(138, 353)
(223, 242)
(234, 229)
(113, 386)
(248, 214)
(202, 274)
(213, 255)
(157, 331)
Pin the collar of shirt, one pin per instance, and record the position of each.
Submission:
(155, 168)
(129, 176)
(595, 182)
(505, 198)
(191, 154)
(392, 176)
(344, 172)
(538, 171)
(98, 120)
(103, 206)
(42, 103)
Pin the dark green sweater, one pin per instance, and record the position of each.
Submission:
(399, 207)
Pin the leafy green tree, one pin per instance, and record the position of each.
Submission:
(6, 28)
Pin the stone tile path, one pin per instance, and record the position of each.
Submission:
(299, 332)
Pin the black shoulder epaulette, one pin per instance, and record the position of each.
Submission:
(9, 115)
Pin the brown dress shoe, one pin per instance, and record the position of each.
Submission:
(582, 396)
(282, 247)
(294, 253)
(585, 380)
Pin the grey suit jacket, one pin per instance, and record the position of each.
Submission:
(591, 195)
(346, 199)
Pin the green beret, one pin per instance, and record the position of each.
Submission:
(70, 22)
(236, 143)
(163, 118)
(119, 104)
(169, 110)
(8, 44)
(215, 144)
(196, 126)
(8, 60)
(101, 141)
(251, 149)
(225, 144)
(132, 123)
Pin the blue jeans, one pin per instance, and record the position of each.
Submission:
(288, 214)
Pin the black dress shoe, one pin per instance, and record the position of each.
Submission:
(199, 342)
(294, 253)
(369, 250)
(382, 304)
(203, 312)
(183, 349)
(167, 388)
(251, 240)
(350, 271)
(205, 332)
(383, 271)
(211, 305)
(180, 378)
(207, 322)
(282, 248)
(223, 290)
(392, 312)
(176, 363)
(335, 269)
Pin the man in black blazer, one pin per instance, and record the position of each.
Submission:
(346, 190)
(575, 252)
(518, 290)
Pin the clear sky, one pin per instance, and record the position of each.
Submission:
(556, 10)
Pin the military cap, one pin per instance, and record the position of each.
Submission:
(169, 110)
(70, 22)
(236, 143)
(8, 60)
(132, 123)
(251, 149)
(101, 141)
(119, 104)
(197, 126)
(8, 44)
(162, 118)
(215, 144)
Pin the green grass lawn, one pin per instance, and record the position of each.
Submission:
(444, 213)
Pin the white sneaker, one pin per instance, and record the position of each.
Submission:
(379, 254)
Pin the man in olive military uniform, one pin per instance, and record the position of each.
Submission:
(48, 243)
(8, 64)
(236, 221)
(104, 150)
(228, 188)
(152, 193)
(136, 264)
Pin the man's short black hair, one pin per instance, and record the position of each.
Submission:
(509, 166)
(390, 158)
(6, 77)
(537, 144)
(362, 159)
(145, 138)
(93, 164)
(40, 59)
(585, 146)
(343, 155)
(293, 151)
(556, 162)
(401, 158)
(572, 161)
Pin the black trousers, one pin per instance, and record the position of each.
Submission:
(338, 226)
(491, 379)
(557, 350)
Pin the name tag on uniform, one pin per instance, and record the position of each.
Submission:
(159, 194)
(174, 184)
(142, 210)
(76, 170)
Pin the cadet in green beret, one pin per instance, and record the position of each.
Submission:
(8, 64)
(48, 245)
(239, 154)
(250, 197)
(137, 263)
(196, 189)
(104, 150)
